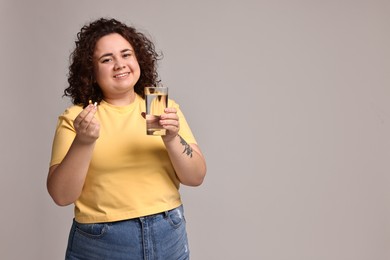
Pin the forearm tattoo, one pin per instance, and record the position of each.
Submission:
(187, 147)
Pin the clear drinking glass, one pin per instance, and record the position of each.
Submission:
(156, 99)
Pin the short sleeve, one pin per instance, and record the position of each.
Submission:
(185, 131)
(64, 134)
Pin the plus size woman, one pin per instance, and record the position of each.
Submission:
(123, 183)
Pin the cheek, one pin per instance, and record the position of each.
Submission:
(135, 65)
(136, 68)
(100, 74)
(96, 72)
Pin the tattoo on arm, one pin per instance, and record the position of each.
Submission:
(187, 147)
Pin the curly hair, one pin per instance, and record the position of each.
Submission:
(82, 84)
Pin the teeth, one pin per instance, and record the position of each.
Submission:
(121, 75)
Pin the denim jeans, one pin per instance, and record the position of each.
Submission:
(156, 237)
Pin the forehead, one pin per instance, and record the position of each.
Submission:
(112, 42)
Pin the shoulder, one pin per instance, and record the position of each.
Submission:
(72, 112)
(173, 103)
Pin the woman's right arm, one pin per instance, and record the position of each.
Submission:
(65, 181)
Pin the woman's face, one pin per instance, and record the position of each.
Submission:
(116, 67)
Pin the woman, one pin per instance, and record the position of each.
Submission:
(124, 184)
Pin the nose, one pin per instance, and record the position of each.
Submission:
(118, 65)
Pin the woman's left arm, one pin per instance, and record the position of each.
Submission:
(187, 159)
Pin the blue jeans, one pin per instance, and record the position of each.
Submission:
(161, 236)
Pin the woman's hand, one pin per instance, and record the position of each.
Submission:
(187, 159)
(66, 180)
(86, 125)
(170, 121)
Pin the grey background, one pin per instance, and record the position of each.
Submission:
(288, 99)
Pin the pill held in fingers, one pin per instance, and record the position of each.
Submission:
(94, 104)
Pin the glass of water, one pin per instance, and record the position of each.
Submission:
(156, 99)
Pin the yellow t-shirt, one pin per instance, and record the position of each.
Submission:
(130, 173)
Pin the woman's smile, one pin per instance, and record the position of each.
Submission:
(121, 75)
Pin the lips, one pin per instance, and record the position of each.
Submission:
(121, 75)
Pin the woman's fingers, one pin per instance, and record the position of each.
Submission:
(86, 125)
(170, 117)
(93, 128)
(85, 116)
(170, 121)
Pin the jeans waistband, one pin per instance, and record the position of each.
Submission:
(160, 214)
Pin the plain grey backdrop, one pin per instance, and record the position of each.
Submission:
(289, 100)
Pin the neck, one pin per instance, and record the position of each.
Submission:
(121, 101)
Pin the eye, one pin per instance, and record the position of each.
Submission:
(105, 60)
(127, 55)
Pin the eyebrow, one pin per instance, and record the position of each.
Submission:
(111, 54)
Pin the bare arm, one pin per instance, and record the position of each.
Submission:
(66, 180)
(187, 159)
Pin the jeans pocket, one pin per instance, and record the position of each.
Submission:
(94, 230)
(176, 217)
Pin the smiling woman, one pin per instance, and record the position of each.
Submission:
(83, 84)
(116, 69)
(123, 183)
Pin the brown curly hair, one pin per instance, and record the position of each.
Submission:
(82, 84)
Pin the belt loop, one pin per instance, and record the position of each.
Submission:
(166, 213)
